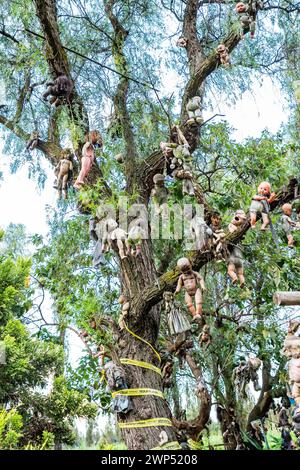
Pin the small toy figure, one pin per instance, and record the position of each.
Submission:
(246, 372)
(220, 246)
(63, 172)
(137, 232)
(88, 157)
(119, 236)
(96, 236)
(181, 42)
(159, 193)
(223, 53)
(194, 286)
(236, 265)
(288, 224)
(238, 220)
(60, 90)
(115, 376)
(247, 19)
(33, 141)
(200, 232)
(177, 321)
(193, 108)
(108, 224)
(205, 337)
(125, 310)
(261, 204)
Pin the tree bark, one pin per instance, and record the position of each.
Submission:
(287, 298)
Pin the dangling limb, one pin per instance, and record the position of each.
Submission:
(232, 273)
(189, 302)
(240, 273)
(266, 221)
(198, 301)
(65, 186)
(290, 240)
(252, 28)
(86, 164)
(120, 245)
(253, 219)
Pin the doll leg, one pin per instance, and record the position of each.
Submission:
(198, 300)
(252, 29)
(189, 302)
(266, 221)
(240, 273)
(85, 168)
(65, 186)
(120, 245)
(232, 273)
(253, 219)
(290, 240)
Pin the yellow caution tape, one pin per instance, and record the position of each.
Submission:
(146, 423)
(102, 376)
(145, 365)
(143, 340)
(138, 392)
(173, 445)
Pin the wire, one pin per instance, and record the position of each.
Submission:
(97, 63)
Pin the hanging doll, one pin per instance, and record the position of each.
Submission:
(115, 376)
(177, 321)
(137, 232)
(200, 232)
(63, 172)
(223, 53)
(182, 42)
(108, 226)
(96, 236)
(220, 246)
(246, 372)
(247, 13)
(88, 157)
(235, 267)
(159, 193)
(205, 337)
(193, 108)
(119, 236)
(288, 224)
(261, 205)
(194, 286)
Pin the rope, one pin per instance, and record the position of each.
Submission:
(146, 423)
(173, 445)
(143, 340)
(145, 365)
(138, 392)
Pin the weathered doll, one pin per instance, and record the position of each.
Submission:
(125, 310)
(223, 53)
(194, 286)
(193, 108)
(200, 232)
(288, 224)
(177, 321)
(119, 236)
(88, 157)
(238, 220)
(63, 172)
(205, 337)
(261, 205)
(137, 232)
(247, 13)
(159, 193)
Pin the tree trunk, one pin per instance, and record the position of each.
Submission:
(287, 298)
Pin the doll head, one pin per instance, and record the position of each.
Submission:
(264, 189)
(287, 209)
(240, 7)
(215, 219)
(122, 299)
(184, 265)
(221, 48)
(95, 138)
(239, 218)
(158, 179)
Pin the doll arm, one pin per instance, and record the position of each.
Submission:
(272, 198)
(259, 198)
(179, 285)
(200, 281)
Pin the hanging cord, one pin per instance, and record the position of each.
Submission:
(143, 340)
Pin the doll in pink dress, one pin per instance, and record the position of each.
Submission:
(88, 157)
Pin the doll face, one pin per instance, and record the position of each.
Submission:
(221, 48)
(215, 219)
(184, 265)
(240, 7)
(264, 189)
(96, 139)
(287, 209)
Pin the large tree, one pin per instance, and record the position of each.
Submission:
(113, 51)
